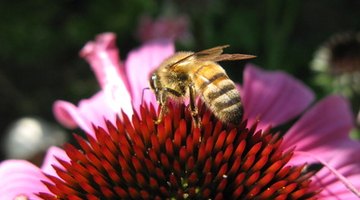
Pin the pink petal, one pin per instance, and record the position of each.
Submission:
(323, 134)
(19, 177)
(68, 115)
(50, 160)
(140, 64)
(327, 124)
(273, 97)
(90, 111)
(103, 56)
(343, 180)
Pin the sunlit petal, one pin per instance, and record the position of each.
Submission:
(50, 160)
(19, 178)
(88, 112)
(326, 124)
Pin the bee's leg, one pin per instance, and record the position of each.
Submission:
(193, 108)
(161, 99)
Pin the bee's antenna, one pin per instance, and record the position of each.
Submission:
(142, 94)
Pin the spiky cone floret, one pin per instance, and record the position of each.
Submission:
(137, 159)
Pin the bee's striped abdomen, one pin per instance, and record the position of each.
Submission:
(219, 93)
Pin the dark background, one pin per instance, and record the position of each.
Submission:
(40, 41)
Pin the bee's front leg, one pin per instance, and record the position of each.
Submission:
(193, 107)
(161, 98)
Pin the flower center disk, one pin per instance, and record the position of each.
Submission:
(136, 158)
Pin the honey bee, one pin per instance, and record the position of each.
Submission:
(192, 74)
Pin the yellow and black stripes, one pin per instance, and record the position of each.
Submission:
(219, 93)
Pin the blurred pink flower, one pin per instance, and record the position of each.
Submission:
(174, 28)
(269, 99)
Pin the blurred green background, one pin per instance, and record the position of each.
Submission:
(40, 40)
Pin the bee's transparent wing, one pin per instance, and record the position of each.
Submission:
(210, 54)
(207, 54)
(215, 54)
(224, 57)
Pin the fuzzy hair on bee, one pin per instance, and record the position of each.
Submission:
(193, 74)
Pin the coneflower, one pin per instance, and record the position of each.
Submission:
(123, 158)
(136, 159)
